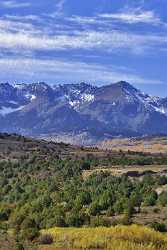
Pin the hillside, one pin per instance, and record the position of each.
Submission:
(45, 185)
(80, 113)
(18, 148)
(15, 147)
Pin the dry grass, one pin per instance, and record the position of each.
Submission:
(119, 170)
(120, 237)
(147, 145)
(149, 214)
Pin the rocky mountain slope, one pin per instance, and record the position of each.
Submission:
(80, 113)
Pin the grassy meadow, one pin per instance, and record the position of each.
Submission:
(132, 237)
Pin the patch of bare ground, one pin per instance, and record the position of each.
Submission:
(150, 214)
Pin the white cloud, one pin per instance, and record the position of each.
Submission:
(19, 33)
(25, 35)
(106, 41)
(90, 21)
(133, 16)
(15, 27)
(23, 18)
(68, 71)
(14, 4)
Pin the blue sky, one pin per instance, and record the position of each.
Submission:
(96, 41)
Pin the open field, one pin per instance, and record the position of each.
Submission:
(132, 171)
(120, 237)
(152, 145)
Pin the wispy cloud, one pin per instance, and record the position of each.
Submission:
(86, 40)
(12, 27)
(62, 70)
(57, 34)
(37, 45)
(58, 8)
(23, 18)
(125, 16)
(22, 33)
(14, 4)
(86, 21)
(133, 16)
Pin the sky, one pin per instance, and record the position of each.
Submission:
(95, 41)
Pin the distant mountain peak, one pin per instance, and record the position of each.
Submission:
(39, 108)
(84, 84)
(125, 85)
(5, 85)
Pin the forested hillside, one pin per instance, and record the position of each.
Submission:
(42, 185)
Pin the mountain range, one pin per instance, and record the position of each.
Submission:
(80, 113)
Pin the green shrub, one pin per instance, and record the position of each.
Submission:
(99, 221)
(160, 227)
(94, 208)
(30, 234)
(163, 199)
(74, 219)
(150, 199)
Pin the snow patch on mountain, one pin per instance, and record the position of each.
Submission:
(8, 110)
(13, 102)
(80, 100)
(30, 97)
(74, 104)
(87, 98)
(20, 86)
(161, 110)
(151, 103)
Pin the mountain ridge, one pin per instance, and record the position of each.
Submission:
(80, 111)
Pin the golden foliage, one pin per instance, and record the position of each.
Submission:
(120, 237)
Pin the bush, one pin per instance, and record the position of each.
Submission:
(162, 180)
(85, 166)
(160, 227)
(28, 223)
(30, 234)
(156, 210)
(46, 239)
(19, 246)
(94, 208)
(150, 199)
(74, 219)
(98, 221)
(163, 199)
(110, 212)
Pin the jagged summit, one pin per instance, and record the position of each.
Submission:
(77, 109)
(124, 84)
